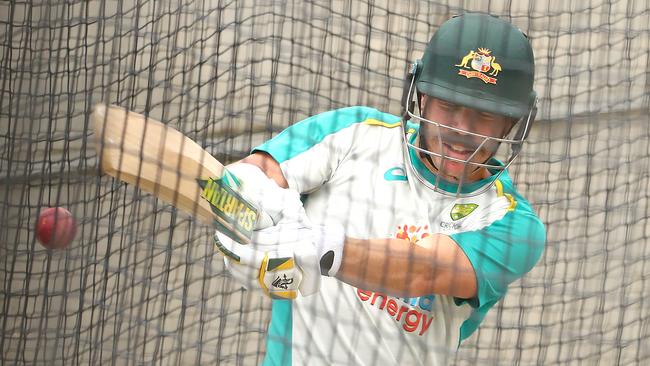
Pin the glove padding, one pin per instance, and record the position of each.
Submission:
(275, 204)
(284, 259)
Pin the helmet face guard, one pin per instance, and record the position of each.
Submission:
(460, 68)
(503, 150)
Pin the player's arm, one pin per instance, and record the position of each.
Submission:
(268, 165)
(436, 264)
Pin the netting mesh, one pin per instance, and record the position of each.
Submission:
(141, 284)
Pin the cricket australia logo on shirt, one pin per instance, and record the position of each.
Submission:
(461, 210)
(457, 213)
(479, 64)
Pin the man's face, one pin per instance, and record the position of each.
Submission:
(455, 139)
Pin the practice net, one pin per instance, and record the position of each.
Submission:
(142, 284)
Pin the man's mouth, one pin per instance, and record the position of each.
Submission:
(457, 151)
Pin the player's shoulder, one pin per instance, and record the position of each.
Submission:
(376, 118)
(505, 186)
(520, 208)
(347, 123)
(515, 233)
(360, 115)
(337, 121)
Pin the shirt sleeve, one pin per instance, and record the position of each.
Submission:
(500, 254)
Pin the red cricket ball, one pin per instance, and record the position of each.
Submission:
(55, 228)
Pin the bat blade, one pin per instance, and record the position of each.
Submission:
(162, 161)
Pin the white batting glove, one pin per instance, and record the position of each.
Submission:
(276, 204)
(284, 258)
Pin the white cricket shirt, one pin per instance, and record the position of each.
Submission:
(349, 164)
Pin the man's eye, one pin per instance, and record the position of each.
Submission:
(446, 106)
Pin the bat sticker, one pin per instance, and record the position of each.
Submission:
(230, 206)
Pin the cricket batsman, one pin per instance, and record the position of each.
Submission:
(392, 236)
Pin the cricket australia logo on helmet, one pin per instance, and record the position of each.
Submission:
(480, 64)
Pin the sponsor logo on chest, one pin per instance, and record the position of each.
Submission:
(412, 314)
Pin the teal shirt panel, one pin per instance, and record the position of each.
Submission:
(303, 135)
(500, 254)
(278, 339)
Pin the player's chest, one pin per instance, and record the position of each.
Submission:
(378, 200)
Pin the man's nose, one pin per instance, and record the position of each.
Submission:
(463, 119)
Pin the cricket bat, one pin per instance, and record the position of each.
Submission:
(162, 161)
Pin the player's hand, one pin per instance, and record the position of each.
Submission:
(284, 259)
(276, 204)
(281, 260)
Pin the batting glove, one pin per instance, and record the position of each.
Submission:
(284, 259)
(275, 204)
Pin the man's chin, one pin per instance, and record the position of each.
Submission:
(451, 171)
(449, 176)
(455, 179)
(455, 173)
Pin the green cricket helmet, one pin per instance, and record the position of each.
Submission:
(484, 63)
